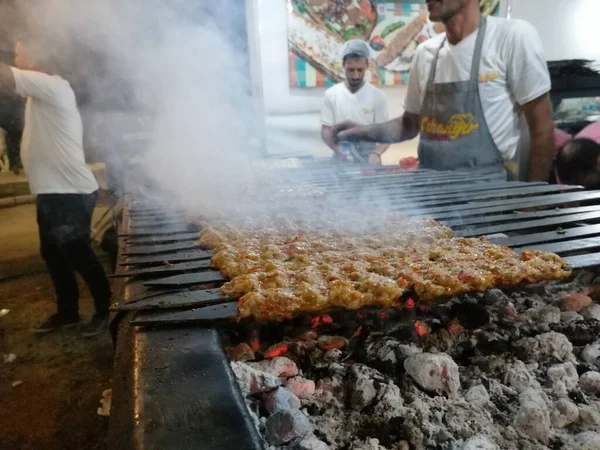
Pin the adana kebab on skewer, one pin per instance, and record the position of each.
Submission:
(278, 273)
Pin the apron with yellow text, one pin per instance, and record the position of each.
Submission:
(454, 132)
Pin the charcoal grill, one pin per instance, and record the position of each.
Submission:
(173, 385)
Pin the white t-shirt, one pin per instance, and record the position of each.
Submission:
(513, 72)
(366, 106)
(52, 144)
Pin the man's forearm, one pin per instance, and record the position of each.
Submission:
(7, 79)
(540, 153)
(396, 130)
(538, 113)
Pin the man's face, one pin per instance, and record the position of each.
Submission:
(22, 59)
(444, 10)
(355, 69)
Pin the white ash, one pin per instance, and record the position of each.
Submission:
(533, 417)
(280, 367)
(547, 345)
(570, 316)
(434, 372)
(590, 416)
(590, 382)
(281, 399)
(333, 354)
(591, 312)
(591, 352)
(480, 442)
(286, 426)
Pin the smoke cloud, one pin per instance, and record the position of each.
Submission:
(178, 71)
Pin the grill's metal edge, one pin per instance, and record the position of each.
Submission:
(173, 387)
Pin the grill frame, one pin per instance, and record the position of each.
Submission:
(193, 310)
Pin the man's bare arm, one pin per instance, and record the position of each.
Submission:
(327, 136)
(399, 129)
(538, 113)
(7, 79)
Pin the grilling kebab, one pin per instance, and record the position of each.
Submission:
(287, 272)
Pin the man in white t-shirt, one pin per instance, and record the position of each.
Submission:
(355, 100)
(64, 186)
(466, 91)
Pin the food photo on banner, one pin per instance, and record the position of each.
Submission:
(317, 29)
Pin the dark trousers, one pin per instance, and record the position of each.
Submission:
(65, 222)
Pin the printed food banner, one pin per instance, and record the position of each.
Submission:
(317, 29)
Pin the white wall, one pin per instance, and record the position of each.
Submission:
(568, 28)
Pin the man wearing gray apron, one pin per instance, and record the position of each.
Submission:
(454, 132)
(467, 90)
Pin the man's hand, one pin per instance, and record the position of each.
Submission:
(374, 159)
(346, 130)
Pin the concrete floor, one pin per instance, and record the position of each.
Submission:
(62, 374)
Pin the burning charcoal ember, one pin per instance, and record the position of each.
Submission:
(301, 387)
(591, 352)
(277, 350)
(434, 372)
(547, 345)
(591, 312)
(570, 316)
(564, 413)
(364, 384)
(252, 380)
(589, 382)
(281, 367)
(326, 343)
(286, 426)
(533, 418)
(281, 399)
(478, 396)
(479, 442)
(241, 352)
(333, 355)
(575, 302)
(311, 442)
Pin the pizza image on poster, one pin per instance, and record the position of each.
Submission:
(317, 29)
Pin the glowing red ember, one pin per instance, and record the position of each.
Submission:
(327, 320)
(277, 350)
(410, 304)
(422, 328)
(315, 321)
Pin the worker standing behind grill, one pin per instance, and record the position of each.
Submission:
(65, 188)
(466, 90)
(354, 100)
